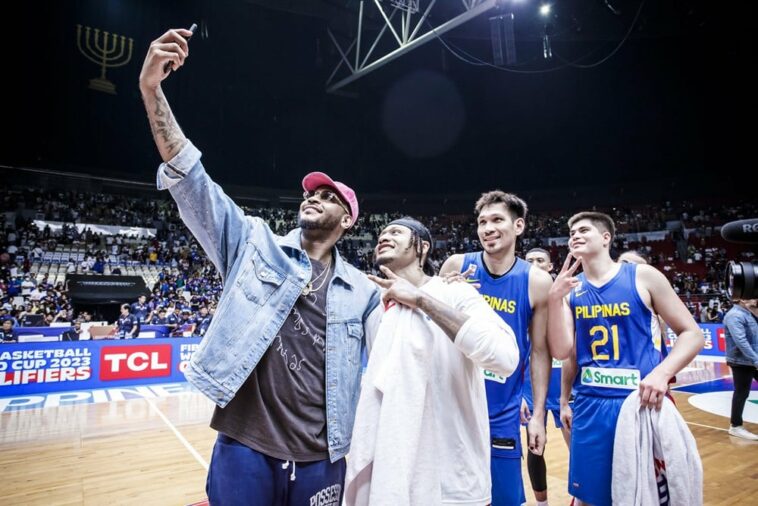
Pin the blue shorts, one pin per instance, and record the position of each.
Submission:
(592, 434)
(556, 417)
(507, 485)
(239, 475)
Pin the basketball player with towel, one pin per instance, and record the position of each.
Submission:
(606, 317)
(421, 434)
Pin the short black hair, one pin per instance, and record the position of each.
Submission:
(601, 220)
(513, 203)
(539, 250)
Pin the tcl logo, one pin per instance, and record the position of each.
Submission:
(132, 362)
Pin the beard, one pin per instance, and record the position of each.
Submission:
(322, 223)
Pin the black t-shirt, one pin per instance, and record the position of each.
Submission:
(280, 410)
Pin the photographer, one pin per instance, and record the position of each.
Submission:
(741, 326)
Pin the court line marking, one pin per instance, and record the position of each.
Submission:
(178, 434)
(707, 426)
(701, 382)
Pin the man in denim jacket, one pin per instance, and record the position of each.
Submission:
(741, 334)
(282, 356)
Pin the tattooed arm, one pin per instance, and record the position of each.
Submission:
(218, 224)
(171, 47)
(468, 321)
(448, 318)
(168, 136)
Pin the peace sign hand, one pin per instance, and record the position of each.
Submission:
(565, 281)
(398, 289)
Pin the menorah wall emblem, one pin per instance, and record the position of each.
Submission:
(108, 53)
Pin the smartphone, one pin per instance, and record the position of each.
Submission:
(169, 66)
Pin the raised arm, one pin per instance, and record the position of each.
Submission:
(217, 223)
(560, 323)
(170, 47)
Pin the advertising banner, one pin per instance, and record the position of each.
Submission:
(29, 368)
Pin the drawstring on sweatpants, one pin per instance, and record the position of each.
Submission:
(286, 465)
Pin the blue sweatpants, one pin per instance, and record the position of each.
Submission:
(239, 475)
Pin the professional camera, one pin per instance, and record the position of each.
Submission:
(741, 276)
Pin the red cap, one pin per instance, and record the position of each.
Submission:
(315, 179)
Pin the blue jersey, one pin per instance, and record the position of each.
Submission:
(508, 295)
(615, 335)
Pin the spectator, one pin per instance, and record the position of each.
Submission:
(8, 333)
(741, 332)
(6, 314)
(140, 309)
(128, 325)
(203, 321)
(27, 285)
(712, 314)
(74, 333)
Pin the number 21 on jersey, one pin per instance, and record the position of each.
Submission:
(599, 334)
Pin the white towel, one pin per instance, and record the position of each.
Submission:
(643, 435)
(392, 457)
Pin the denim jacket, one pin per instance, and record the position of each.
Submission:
(741, 333)
(264, 275)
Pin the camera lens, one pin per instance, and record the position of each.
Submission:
(740, 280)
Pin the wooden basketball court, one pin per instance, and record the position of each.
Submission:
(156, 450)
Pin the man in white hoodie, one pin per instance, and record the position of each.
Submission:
(421, 434)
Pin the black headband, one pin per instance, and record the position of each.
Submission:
(417, 227)
(424, 235)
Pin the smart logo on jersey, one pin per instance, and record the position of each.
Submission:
(586, 377)
(134, 362)
(489, 375)
(603, 377)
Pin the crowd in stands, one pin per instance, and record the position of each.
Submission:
(187, 287)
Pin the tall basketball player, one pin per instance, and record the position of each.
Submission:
(518, 294)
(606, 317)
